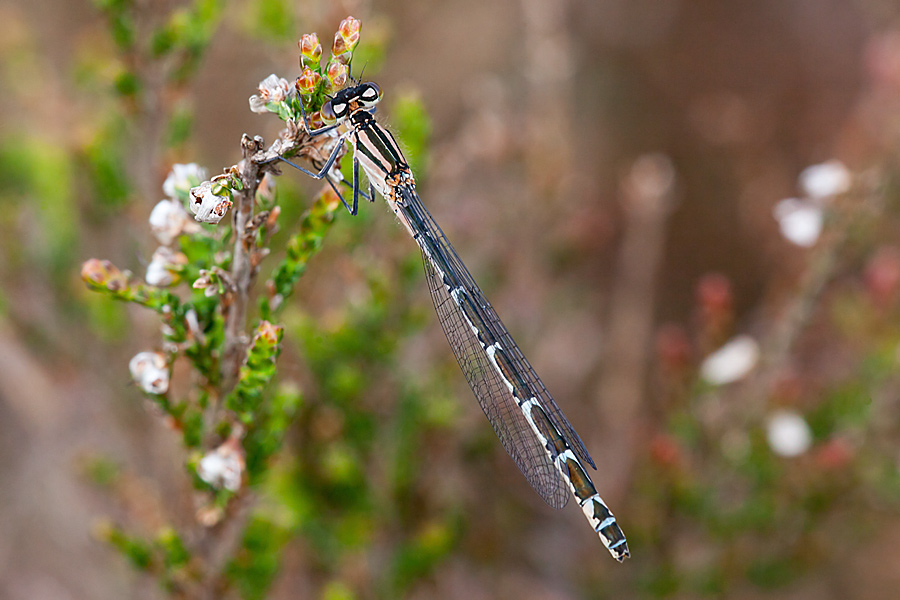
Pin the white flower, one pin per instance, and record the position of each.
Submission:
(182, 177)
(800, 220)
(206, 206)
(788, 433)
(271, 89)
(825, 180)
(150, 371)
(164, 266)
(223, 467)
(168, 220)
(731, 362)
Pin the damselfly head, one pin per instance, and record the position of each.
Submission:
(348, 100)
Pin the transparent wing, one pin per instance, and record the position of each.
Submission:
(490, 390)
(498, 329)
(496, 401)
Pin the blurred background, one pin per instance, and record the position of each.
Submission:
(612, 173)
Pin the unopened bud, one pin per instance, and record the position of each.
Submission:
(102, 273)
(349, 31)
(310, 50)
(308, 81)
(337, 75)
(268, 332)
(345, 40)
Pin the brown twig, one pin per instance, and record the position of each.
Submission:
(647, 193)
(256, 162)
(242, 272)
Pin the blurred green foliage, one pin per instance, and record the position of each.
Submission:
(413, 126)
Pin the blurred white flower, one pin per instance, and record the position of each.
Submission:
(800, 220)
(150, 371)
(169, 219)
(731, 362)
(271, 89)
(825, 180)
(206, 206)
(182, 178)
(223, 467)
(164, 266)
(788, 433)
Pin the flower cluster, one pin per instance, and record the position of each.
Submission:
(337, 70)
(168, 221)
(801, 219)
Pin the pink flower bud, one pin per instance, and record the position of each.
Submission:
(665, 451)
(269, 332)
(308, 81)
(835, 454)
(310, 50)
(349, 30)
(97, 271)
(882, 276)
(337, 75)
(673, 347)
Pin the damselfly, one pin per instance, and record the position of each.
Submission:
(530, 425)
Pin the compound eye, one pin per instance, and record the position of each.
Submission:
(370, 94)
(327, 113)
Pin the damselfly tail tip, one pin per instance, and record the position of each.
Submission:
(619, 547)
(621, 555)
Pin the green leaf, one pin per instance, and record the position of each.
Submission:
(256, 373)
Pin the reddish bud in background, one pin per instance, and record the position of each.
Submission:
(715, 302)
(673, 347)
(835, 454)
(714, 294)
(788, 388)
(882, 276)
(665, 452)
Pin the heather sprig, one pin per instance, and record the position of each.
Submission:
(200, 281)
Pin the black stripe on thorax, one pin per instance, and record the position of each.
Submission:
(377, 143)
